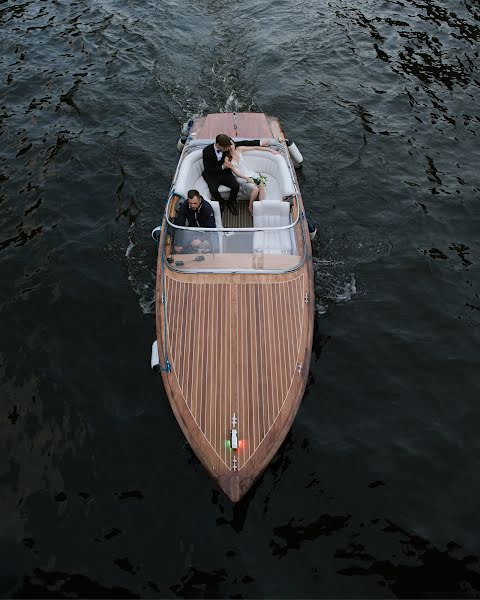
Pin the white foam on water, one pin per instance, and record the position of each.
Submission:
(334, 266)
(345, 292)
(130, 247)
(232, 104)
(320, 309)
(141, 265)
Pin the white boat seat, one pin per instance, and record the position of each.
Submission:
(218, 221)
(279, 182)
(274, 166)
(272, 213)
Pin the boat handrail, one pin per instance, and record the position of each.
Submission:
(282, 227)
(233, 229)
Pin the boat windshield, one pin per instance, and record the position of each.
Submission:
(261, 249)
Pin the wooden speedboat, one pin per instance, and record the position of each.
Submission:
(235, 324)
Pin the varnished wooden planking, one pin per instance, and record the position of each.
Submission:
(248, 125)
(258, 327)
(243, 219)
(252, 125)
(235, 484)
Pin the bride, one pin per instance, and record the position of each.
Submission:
(235, 161)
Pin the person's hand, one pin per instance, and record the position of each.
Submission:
(250, 180)
(227, 164)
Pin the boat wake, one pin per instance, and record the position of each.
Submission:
(140, 256)
(336, 257)
(141, 251)
(334, 283)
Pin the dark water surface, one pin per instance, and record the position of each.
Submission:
(376, 490)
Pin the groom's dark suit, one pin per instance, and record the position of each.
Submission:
(215, 175)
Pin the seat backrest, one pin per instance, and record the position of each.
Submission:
(274, 165)
(271, 213)
(190, 170)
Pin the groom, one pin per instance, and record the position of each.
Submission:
(217, 173)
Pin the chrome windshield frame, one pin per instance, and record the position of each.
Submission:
(226, 230)
(167, 211)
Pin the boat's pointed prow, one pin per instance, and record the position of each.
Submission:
(230, 485)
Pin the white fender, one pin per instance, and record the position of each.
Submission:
(155, 360)
(295, 154)
(156, 233)
(185, 133)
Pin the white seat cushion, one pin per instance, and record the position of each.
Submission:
(274, 166)
(190, 170)
(272, 213)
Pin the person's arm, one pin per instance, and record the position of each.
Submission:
(207, 214)
(262, 143)
(247, 143)
(211, 219)
(210, 162)
(181, 216)
(247, 148)
(182, 236)
(229, 165)
(206, 159)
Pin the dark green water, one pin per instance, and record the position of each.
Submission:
(375, 492)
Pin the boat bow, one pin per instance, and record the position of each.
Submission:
(237, 348)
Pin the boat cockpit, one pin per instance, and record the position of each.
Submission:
(269, 241)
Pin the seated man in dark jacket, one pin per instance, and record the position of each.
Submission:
(195, 211)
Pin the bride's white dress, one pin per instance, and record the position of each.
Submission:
(242, 168)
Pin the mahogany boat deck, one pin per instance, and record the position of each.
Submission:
(237, 343)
